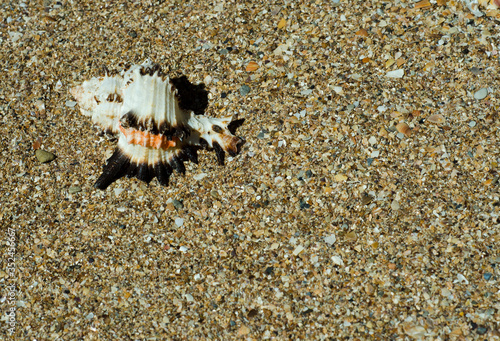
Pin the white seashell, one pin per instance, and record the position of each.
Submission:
(158, 121)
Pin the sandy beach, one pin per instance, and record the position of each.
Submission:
(364, 204)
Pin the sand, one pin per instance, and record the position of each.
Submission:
(363, 206)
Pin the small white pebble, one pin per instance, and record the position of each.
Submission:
(199, 176)
(399, 73)
(330, 240)
(337, 260)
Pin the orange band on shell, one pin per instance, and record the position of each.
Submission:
(148, 140)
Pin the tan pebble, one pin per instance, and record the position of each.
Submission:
(487, 182)
(382, 132)
(37, 144)
(282, 23)
(44, 156)
(340, 177)
(392, 266)
(366, 199)
(436, 118)
(252, 66)
(416, 332)
(328, 190)
(423, 4)
(244, 330)
(369, 289)
(456, 332)
(362, 33)
(351, 236)
(389, 62)
(403, 128)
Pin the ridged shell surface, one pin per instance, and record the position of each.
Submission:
(158, 121)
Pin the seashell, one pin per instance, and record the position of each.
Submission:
(252, 66)
(403, 128)
(159, 121)
(436, 118)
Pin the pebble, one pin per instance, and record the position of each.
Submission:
(70, 104)
(74, 189)
(304, 205)
(118, 191)
(399, 73)
(244, 330)
(44, 156)
(481, 93)
(244, 90)
(330, 240)
(298, 250)
(487, 276)
(395, 205)
(179, 222)
(436, 118)
(177, 204)
(199, 176)
(416, 332)
(476, 71)
(481, 330)
(472, 124)
(337, 260)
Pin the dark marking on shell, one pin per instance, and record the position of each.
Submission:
(163, 172)
(219, 152)
(114, 98)
(191, 97)
(130, 120)
(217, 129)
(191, 153)
(233, 125)
(116, 167)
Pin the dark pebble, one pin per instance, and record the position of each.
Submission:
(481, 330)
(269, 270)
(253, 313)
(304, 204)
(177, 204)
